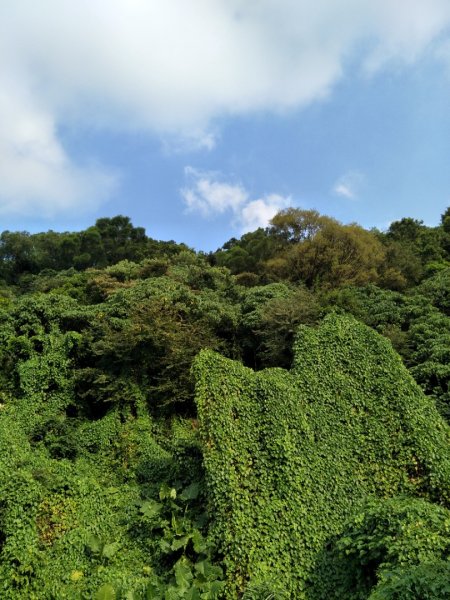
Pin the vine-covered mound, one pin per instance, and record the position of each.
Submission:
(290, 456)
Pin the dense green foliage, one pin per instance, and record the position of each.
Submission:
(105, 243)
(102, 489)
(390, 549)
(290, 456)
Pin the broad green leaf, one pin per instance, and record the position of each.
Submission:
(191, 492)
(193, 593)
(208, 570)
(180, 542)
(154, 591)
(151, 508)
(178, 525)
(94, 543)
(183, 573)
(216, 588)
(110, 549)
(165, 546)
(173, 593)
(106, 592)
(199, 542)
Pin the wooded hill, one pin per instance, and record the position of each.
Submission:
(266, 421)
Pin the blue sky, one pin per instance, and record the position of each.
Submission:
(200, 119)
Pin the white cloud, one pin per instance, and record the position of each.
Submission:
(349, 185)
(405, 29)
(258, 213)
(208, 195)
(173, 67)
(37, 177)
(176, 64)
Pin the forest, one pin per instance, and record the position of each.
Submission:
(269, 421)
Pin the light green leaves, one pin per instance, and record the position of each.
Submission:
(101, 549)
(151, 509)
(106, 592)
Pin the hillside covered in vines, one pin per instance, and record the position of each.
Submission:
(269, 420)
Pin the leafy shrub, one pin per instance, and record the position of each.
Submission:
(290, 456)
(381, 548)
(424, 582)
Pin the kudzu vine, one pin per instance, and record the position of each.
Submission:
(289, 456)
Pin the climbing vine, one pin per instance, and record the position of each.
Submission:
(290, 455)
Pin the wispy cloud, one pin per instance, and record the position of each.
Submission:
(207, 194)
(349, 185)
(196, 141)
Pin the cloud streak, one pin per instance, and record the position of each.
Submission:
(349, 185)
(174, 67)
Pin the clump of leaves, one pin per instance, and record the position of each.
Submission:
(383, 549)
(179, 521)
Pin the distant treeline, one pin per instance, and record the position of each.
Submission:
(299, 246)
(107, 242)
(304, 246)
